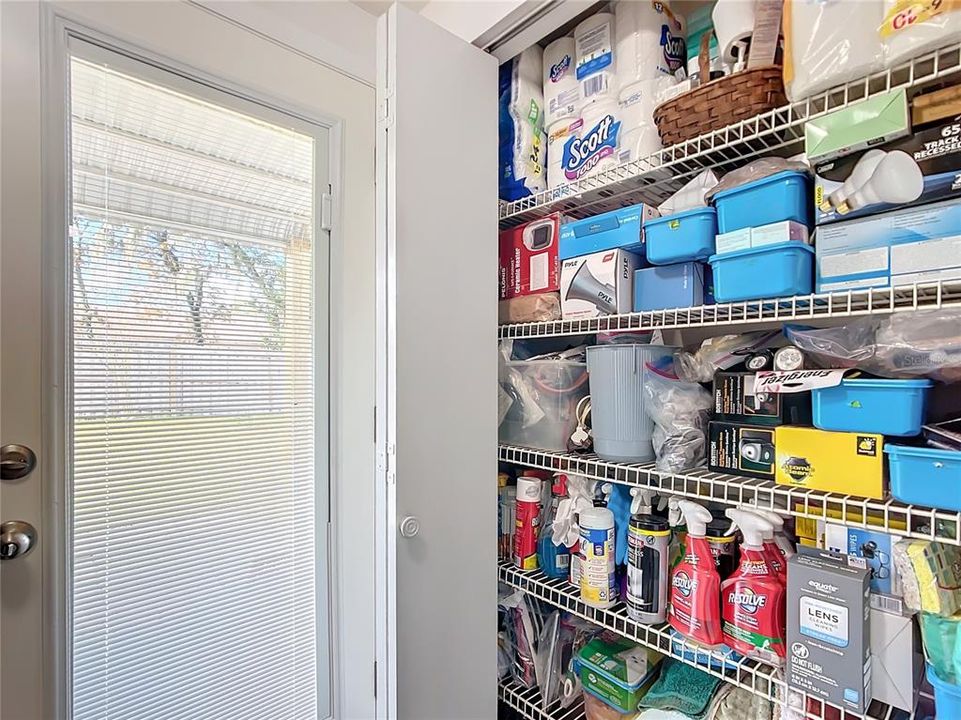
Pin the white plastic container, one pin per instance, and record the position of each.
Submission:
(598, 583)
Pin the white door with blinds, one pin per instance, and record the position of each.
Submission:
(197, 448)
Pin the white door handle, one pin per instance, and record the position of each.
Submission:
(409, 526)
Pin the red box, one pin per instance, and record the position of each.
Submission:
(528, 258)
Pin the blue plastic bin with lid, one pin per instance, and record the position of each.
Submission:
(947, 697)
(770, 271)
(885, 407)
(925, 476)
(783, 196)
(681, 237)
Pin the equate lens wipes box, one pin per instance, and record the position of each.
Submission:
(828, 630)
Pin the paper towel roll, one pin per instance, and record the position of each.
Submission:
(557, 136)
(639, 137)
(649, 42)
(733, 24)
(595, 146)
(562, 91)
(594, 56)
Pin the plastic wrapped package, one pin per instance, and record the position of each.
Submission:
(524, 621)
(926, 343)
(718, 353)
(830, 42)
(522, 137)
(909, 28)
(597, 709)
(680, 411)
(691, 196)
(563, 635)
(530, 308)
(756, 170)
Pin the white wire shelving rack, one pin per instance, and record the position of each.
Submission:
(527, 701)
(780, 131)
(756, 677)
(888, 516)
(848, 303)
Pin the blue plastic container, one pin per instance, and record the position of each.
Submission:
(766, 272)
(681, 237)
(947, 697)
(885, 407)
(784, 196)
(925, 476)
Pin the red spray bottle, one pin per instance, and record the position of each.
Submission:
(695, 584)
(752, 599)
(781, 544)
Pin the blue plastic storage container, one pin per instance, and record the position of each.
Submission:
(784, 196)
(681, 237)
(766, 272)
(947, 697)
(885, 407)
(925, 476)
(670, 286)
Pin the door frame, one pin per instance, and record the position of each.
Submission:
(59, 26)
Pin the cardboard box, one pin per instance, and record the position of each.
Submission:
(829, 630)
(598, 284)
(905, 246)
(747, 450)
(618, 229)
(838, 462)
(672, 286)
(732, 241)
(528, 258)
(861, 125)
(736, 401)
(779, 232)
(935, 150)
(896, 660)
(873, 549)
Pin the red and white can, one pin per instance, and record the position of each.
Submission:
(527, 523)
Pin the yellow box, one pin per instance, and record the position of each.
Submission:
(838, 462)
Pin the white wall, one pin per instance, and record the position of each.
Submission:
(247, 55)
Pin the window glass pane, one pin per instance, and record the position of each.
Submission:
(194, 528)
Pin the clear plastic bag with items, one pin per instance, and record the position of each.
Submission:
(680, 411)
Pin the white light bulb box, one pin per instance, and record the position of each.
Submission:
(911, 245)
(618, 229)
(918, 169)
(598, 284)
(829, 629)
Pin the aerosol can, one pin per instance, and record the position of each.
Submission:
(695, 584)
(752, 599)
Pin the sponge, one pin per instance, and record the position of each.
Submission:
(683, 688)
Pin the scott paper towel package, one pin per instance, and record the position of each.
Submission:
(639, 137)
(650, 42)
(830, 42)
(557, 136)
(913, 28)
(562, 91)
(523, 142)
(594, 147)
(594, 56)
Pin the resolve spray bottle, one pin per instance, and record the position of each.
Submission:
(695, 584)
(775, 559)
(753, 598)
(784, 545)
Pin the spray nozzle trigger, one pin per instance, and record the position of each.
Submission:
(753, 526)
(641, 500)
(696, 516)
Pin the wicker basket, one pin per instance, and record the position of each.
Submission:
(717, 103)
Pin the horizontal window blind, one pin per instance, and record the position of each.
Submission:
(194, 529)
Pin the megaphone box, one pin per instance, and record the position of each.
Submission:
(598, 284)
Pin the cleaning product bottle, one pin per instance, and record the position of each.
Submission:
(647, 555)
(784, 545)
(775, 559)
(598, 582)
(723, 547)
(752, 599)
(527, 522)
(695, 584)
(555, 560)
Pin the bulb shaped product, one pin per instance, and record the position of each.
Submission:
(859, 175)
(896, 179)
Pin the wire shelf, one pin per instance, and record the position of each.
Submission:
(527, 701)
(847, 303)
(888, 516)
(654, 178)
(756, 677)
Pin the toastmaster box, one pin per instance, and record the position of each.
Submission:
(741, 449)
(849, 463)
(735, 400)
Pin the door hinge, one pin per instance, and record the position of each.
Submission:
(375, 679)
(326, 211)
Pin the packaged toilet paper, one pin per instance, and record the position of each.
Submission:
(562, 91)
(911, 28)
(830, 42)
(650, 42)
(594, 147)
(639, 137)
(594, 56)
(523, 142)
(557, 136)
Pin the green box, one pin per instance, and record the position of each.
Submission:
(858, 126)
(617, 671)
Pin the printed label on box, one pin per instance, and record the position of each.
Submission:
(824, 621)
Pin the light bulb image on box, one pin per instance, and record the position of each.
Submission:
(896, 179)
(859, 175)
